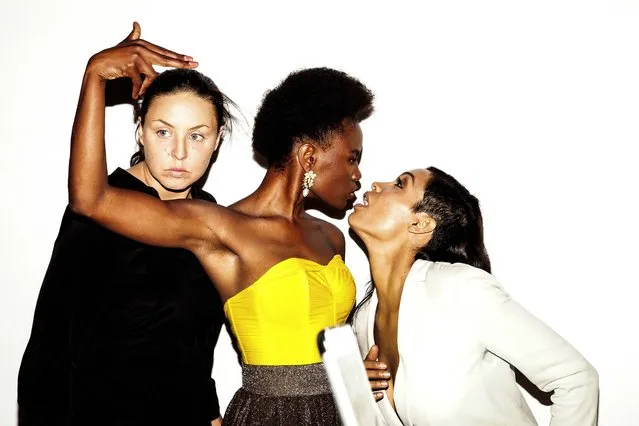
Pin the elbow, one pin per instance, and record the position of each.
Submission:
(590, 394)
(82, 205)
(81, 208)
(591, 377)
(587, 379)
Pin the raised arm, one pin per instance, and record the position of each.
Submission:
(545, 358)
(139, 216)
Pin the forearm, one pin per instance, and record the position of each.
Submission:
(512, 333)
(547, 360)
(576, 397)
(87, 164)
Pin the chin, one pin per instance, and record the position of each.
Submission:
(340, 205)
(352, 220)
(176, 185)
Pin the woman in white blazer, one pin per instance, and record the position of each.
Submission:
(442, 324)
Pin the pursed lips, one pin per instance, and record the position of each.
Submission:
(177, 172)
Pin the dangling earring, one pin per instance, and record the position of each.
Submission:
(309, 178)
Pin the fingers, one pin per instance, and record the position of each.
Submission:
(373, 353)
(149, 75)
(376, 373)
(136, 79)
(145, 85)
(143, 65)
(165, 61)
(378, 385)
(134, 36)
(135, 33)
(164, 52)
(375, 365)
(140, 67)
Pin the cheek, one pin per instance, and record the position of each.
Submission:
(149, 153)
(337, 177)
(390, 219)
(200, 155)
(155, 149)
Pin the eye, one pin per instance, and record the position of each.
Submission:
(163, 133)
(398, 183)
(196, 137)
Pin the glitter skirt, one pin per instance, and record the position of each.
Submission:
(296, 395)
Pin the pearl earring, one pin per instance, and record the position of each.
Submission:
(309, 179)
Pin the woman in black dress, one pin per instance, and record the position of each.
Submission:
(123, 332)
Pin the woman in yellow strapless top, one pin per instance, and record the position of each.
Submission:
(276, 321)
(279, 270)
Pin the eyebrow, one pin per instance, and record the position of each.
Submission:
(412, 176)
(357, 153)
(170, 125)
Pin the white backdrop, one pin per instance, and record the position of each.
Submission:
(534, 106)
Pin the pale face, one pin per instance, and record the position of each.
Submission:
(337, 167)
(387, 210)
(179, 136)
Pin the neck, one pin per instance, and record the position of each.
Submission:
(280, 194)
(389, 268)
(141, 171)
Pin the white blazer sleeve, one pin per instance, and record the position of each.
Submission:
(506, 329)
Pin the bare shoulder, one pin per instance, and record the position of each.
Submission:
(218, 222)
(203, 210)
(333, 233)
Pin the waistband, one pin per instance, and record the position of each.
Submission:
(285, 380)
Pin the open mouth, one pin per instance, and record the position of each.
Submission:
(365, 199)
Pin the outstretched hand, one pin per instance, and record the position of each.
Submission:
(134, 58)
(377, 372)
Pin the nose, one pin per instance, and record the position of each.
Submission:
(178, 150)
(357, 175)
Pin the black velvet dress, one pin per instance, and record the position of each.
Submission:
(123, 333)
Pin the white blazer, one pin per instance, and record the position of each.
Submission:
(458, 334)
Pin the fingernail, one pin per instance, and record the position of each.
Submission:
(386, 374)
(382, 365)
(384, 384)
(188, 58)
(193, 63)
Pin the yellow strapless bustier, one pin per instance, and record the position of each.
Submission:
(276, 319)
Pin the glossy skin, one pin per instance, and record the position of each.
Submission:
(387, 212)
(387, 223)
(337, 169)
(235, 245)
